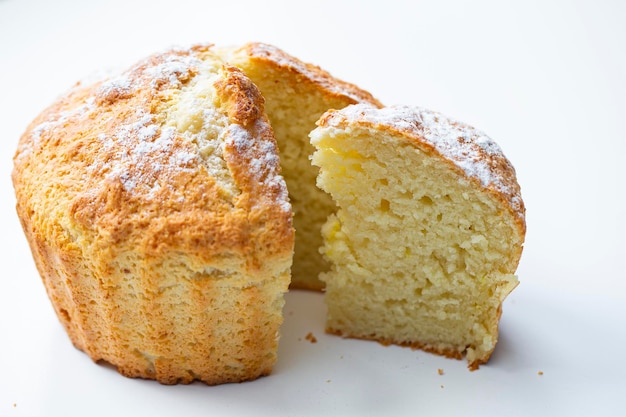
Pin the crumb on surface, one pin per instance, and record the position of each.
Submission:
(440, 371)
(540, 373)
(442, 386)
(311, 338)
(328, 381)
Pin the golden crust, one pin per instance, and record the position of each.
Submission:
(116, 201)
(244, 102)
(309, 73)
(108, 206)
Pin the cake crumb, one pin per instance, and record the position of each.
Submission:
(441, 386)
(328, 381)
(311, 338)
(14, 405)
(440, 371)
(540, 373)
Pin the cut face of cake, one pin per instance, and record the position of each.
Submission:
(296, 95)
(428, 232)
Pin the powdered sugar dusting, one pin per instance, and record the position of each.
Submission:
(120, 85)
(142, 151)
(143, 147)
(56, 121)
(172, 70)
(470, 149)
(263, 159)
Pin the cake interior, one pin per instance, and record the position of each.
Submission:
(293, 104)
(420, 255)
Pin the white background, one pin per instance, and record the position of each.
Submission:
(547, 80)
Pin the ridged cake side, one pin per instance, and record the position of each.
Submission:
(159, 221)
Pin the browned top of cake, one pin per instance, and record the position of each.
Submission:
(132, 157)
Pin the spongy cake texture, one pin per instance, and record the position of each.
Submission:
(428, 233)
(158, 220)
(297, 94)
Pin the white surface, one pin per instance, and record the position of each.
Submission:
(546, 80)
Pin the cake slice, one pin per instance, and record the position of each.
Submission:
(296, 95)
(428, 232)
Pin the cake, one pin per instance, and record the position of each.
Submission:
(296, 95)
(159, 221)
(428, 231)
(170, 207)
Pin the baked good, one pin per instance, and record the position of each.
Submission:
(158, 220)
(296, 95)
(160, 223)
(428, 232)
